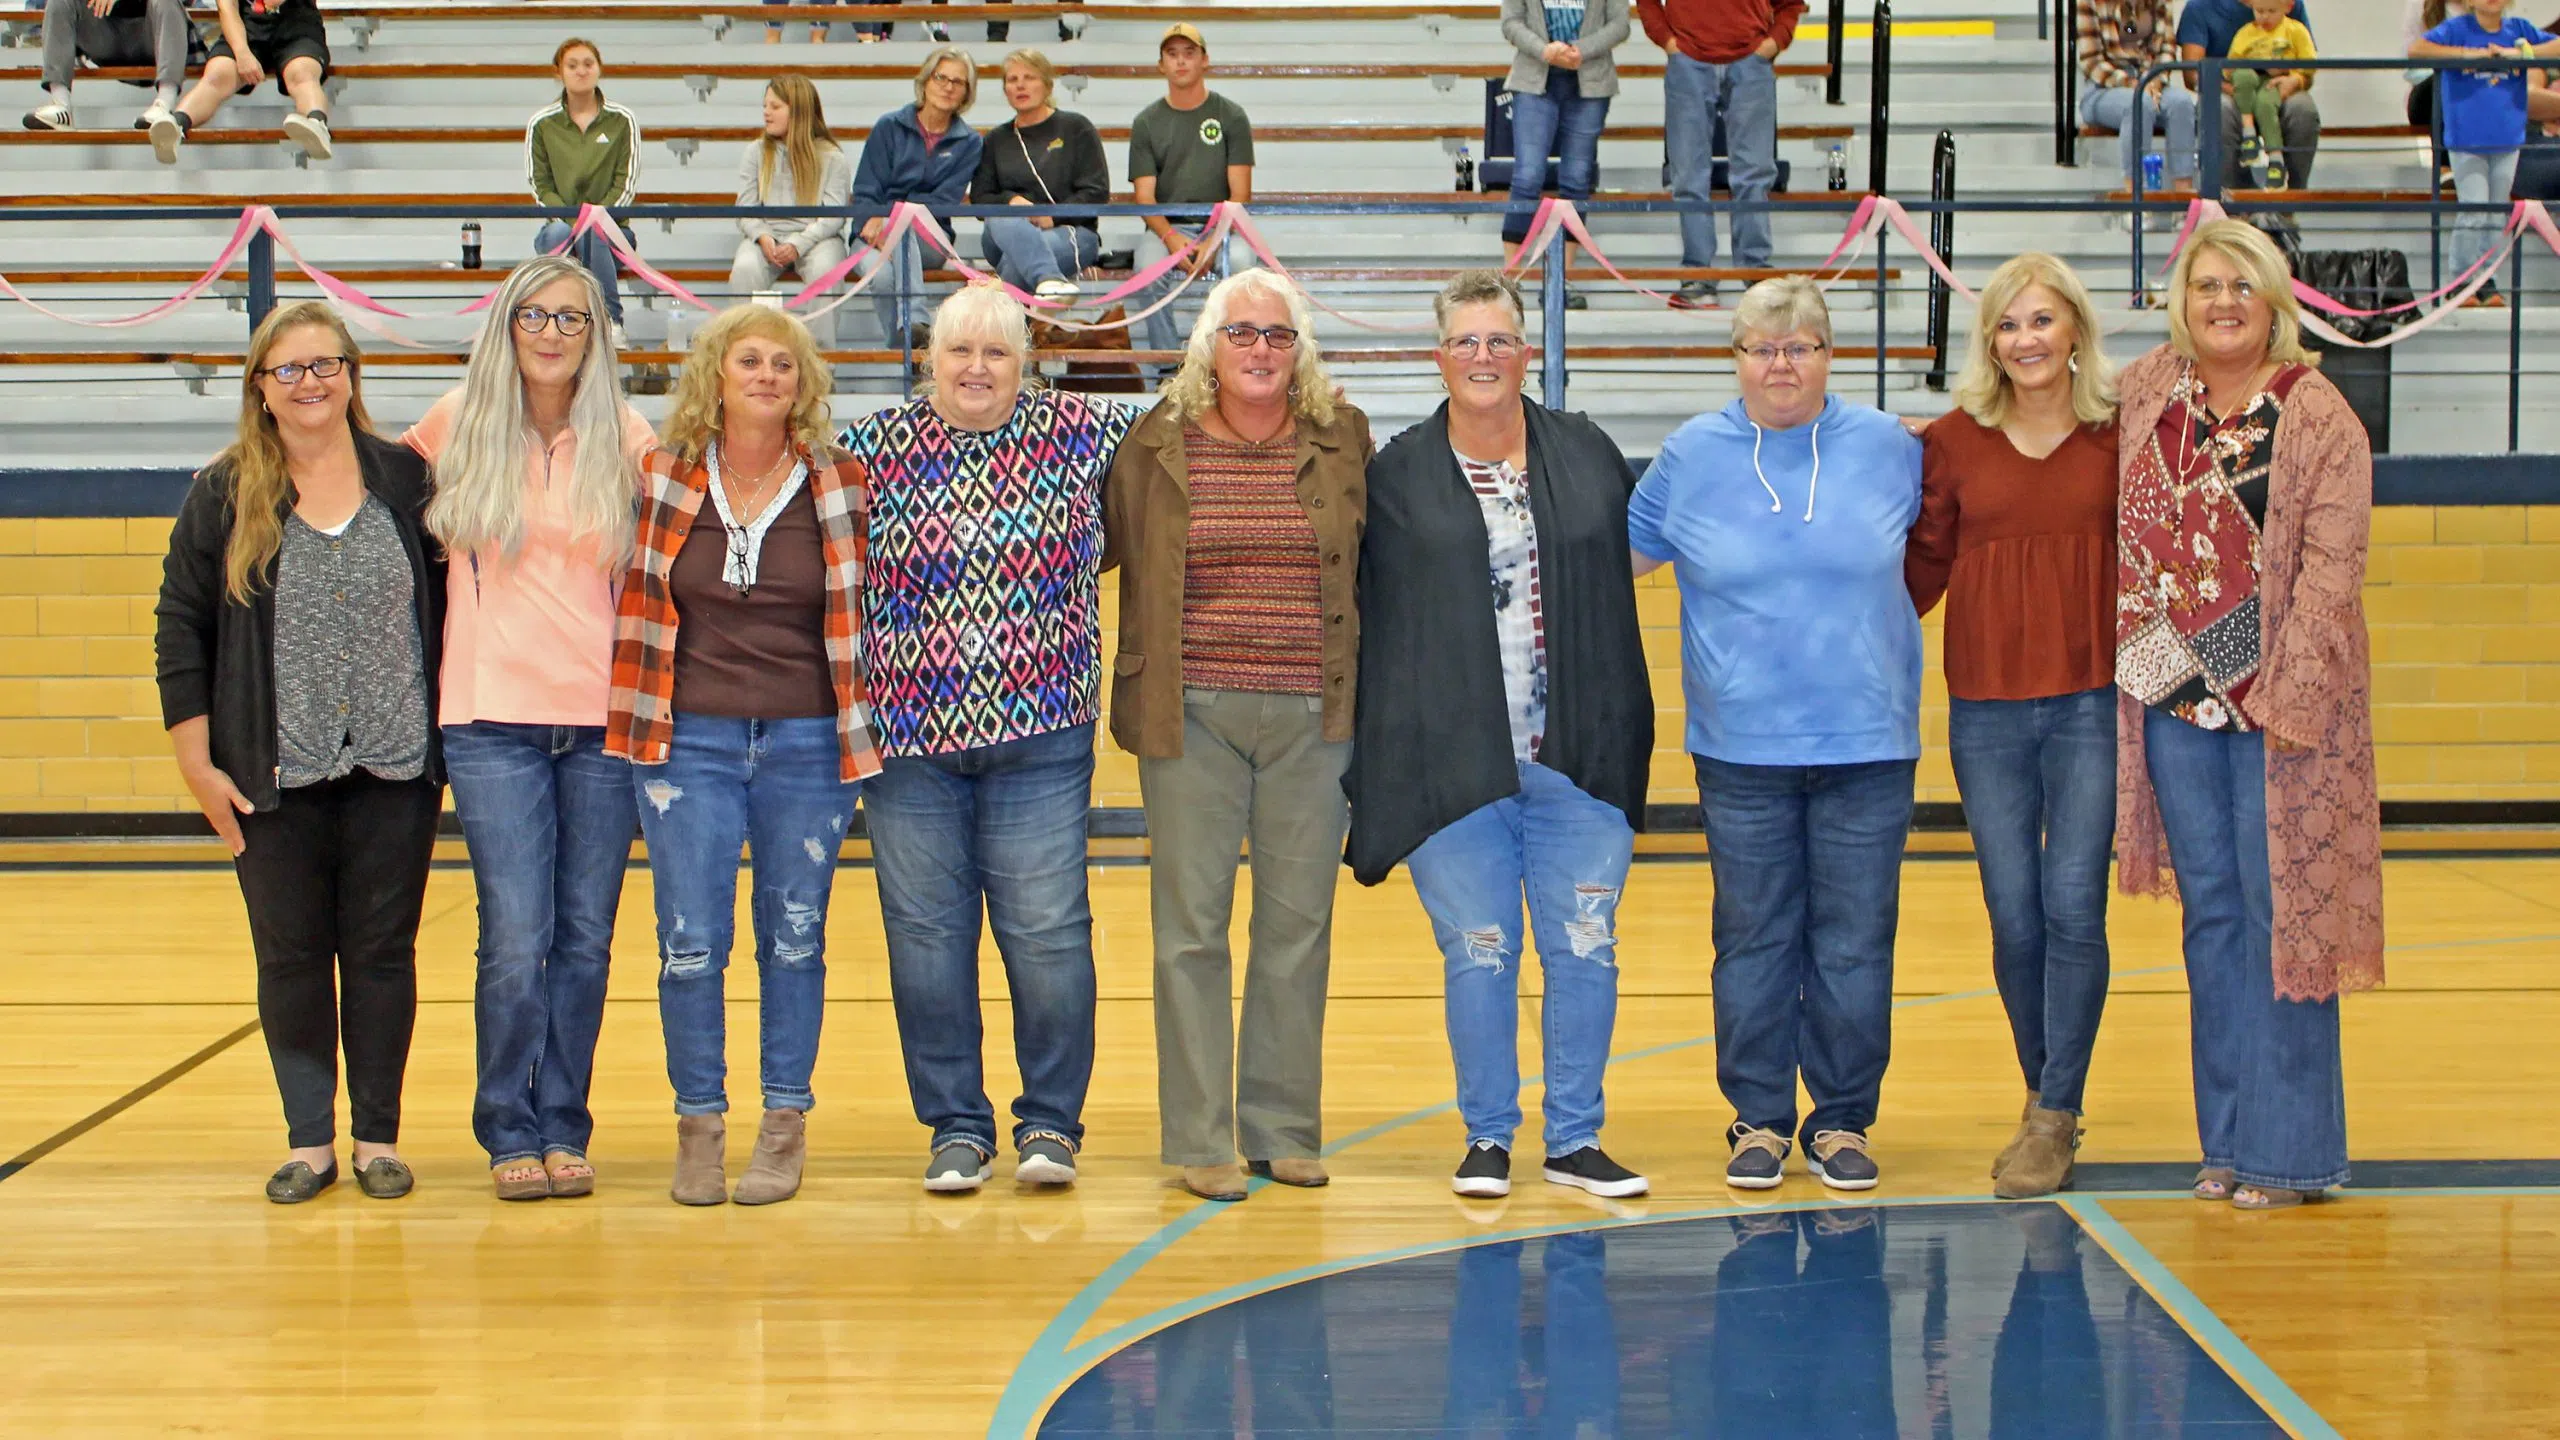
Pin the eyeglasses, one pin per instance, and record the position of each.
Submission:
(1242, 336)
(1770, 354)
(957, 82)
(326, 367)
(531, 318)
(1467, 347)
(2212, 287)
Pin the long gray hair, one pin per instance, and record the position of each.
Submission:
(479, 499)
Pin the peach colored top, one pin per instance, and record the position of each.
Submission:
(529, 641)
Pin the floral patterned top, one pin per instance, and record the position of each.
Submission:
(1519, 618)
(2194, 501)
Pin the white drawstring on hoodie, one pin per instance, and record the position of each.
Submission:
(1775, 505)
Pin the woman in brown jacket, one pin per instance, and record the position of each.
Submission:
(1234, 513)
(2246, 723)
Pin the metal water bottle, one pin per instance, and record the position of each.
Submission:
(1839, 171)
(2154, 172)
(470, 244)
(1466, 168)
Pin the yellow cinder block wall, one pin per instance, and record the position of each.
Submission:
(2464, 603)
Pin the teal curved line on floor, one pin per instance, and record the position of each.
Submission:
(2228, 1349)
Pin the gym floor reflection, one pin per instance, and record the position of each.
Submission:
(1947, 1321)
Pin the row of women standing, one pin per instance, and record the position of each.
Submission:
(1432, 651)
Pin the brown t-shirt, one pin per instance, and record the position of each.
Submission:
(761, 655)
(2024, 552)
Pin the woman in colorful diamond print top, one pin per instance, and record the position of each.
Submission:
(2245, 726)
(983, 647)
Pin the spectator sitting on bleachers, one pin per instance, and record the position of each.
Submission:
(940, 31)
(2259, 95)
(867, 33)
(279, 38)
(1194, 146)
(2484, 120)
(1720, 65)
(926, 153)
(1561, 82)
(111, 32)
(795, 161)
(2207, 27)
(1042, 156)
(579, 150)
(2118, 40)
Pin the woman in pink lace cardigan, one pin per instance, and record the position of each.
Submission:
(2245, 751)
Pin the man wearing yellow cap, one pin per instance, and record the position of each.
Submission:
(1194, 146)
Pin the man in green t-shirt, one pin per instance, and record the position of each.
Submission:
(1194, 146)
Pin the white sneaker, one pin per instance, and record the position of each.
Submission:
(51, 115)
(311, 132)
(1060, 288)
(166, 133)
(621, 341)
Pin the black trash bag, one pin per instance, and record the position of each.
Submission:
(2362, 280)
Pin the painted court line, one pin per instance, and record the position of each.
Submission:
(122, 1103)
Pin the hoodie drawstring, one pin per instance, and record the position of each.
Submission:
(1775, 505)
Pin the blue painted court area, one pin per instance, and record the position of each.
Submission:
(1943, 1321)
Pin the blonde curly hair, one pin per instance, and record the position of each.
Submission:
(693, 417)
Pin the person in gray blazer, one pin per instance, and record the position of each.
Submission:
(1562, 78)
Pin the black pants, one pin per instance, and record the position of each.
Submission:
(335, 877)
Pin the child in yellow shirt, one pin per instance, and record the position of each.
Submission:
(2272, 34)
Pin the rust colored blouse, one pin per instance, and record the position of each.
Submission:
(2024, 553)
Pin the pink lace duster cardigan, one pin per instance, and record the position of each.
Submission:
(2313, 690)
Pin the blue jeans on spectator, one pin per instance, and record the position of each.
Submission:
(1024, 254)
(2271, 1089)
(1744, 94)
(593, 252)
(2173, 111)
(818, 29)
(1557, 120)
(1808, 870)
(2480, 177)
(899, 297)
(2038, 779)
(772, 786)
(998, 830)
(549, 819)
(1170, 327)
(1567, 853)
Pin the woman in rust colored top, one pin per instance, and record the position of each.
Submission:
(1234, 514)
(2017, 531)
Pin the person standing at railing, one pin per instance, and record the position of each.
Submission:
(2484, 120)
(112, 32)
(537, 469)
(795, 161)
(1042, 156)
(1720, 68)
(2017, 532)
(1561, 83)
(923, 153)
(2119, 39)
(583, 150)
(2259, 95)
(1193, 147)
(2208, 27)
(282, 38)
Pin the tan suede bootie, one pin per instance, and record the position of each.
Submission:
(2043, 1162)
(702, 1152)
(782, 1143)
(2009, 1151)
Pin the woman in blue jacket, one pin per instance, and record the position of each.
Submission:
(1784, 516)
(925, 153)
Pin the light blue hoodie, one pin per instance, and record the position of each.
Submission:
(1798, 644)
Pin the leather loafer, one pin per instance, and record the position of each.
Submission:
(385, 1178)
(298, 1182)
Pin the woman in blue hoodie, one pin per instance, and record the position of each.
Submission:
(1783, 516)
(925, 153)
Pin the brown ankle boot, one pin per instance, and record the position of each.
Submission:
(702, 1146)
(2009, 1151)
(782, 1142)
(2043, 1162)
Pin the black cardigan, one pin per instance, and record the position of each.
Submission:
(1433, 732)
(217, 656)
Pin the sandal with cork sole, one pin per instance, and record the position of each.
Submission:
(570, 1174)
(520, 1180)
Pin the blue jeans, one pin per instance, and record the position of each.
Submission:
(1744, 95)
(899, 297)
(1808, 871)
(999, 831)
(549, 819)
(1557, 120)
(1567, 853)
(1024, 254)
(2480, 177)
(771, 786)
(1170, 327)
(591, 251)
(2038, 779)
(2271, 1090)
(2174, 111)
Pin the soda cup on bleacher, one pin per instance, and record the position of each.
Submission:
(2154, 172)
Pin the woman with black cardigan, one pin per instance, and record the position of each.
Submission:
(300, 630)
(1500, 751)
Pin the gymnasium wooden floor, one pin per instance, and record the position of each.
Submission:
(146, 1287)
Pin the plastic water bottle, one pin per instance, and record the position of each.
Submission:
(1839, 167)
(1466, 168)
(470, 244)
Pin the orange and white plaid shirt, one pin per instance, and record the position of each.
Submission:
(640, 717)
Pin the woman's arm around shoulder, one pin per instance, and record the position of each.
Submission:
(1929, 554)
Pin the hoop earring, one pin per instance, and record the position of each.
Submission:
(2075, 362)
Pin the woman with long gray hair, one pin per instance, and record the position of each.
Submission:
(536, 480)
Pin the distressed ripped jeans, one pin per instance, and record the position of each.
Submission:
(1566, 854)
(771, 786)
